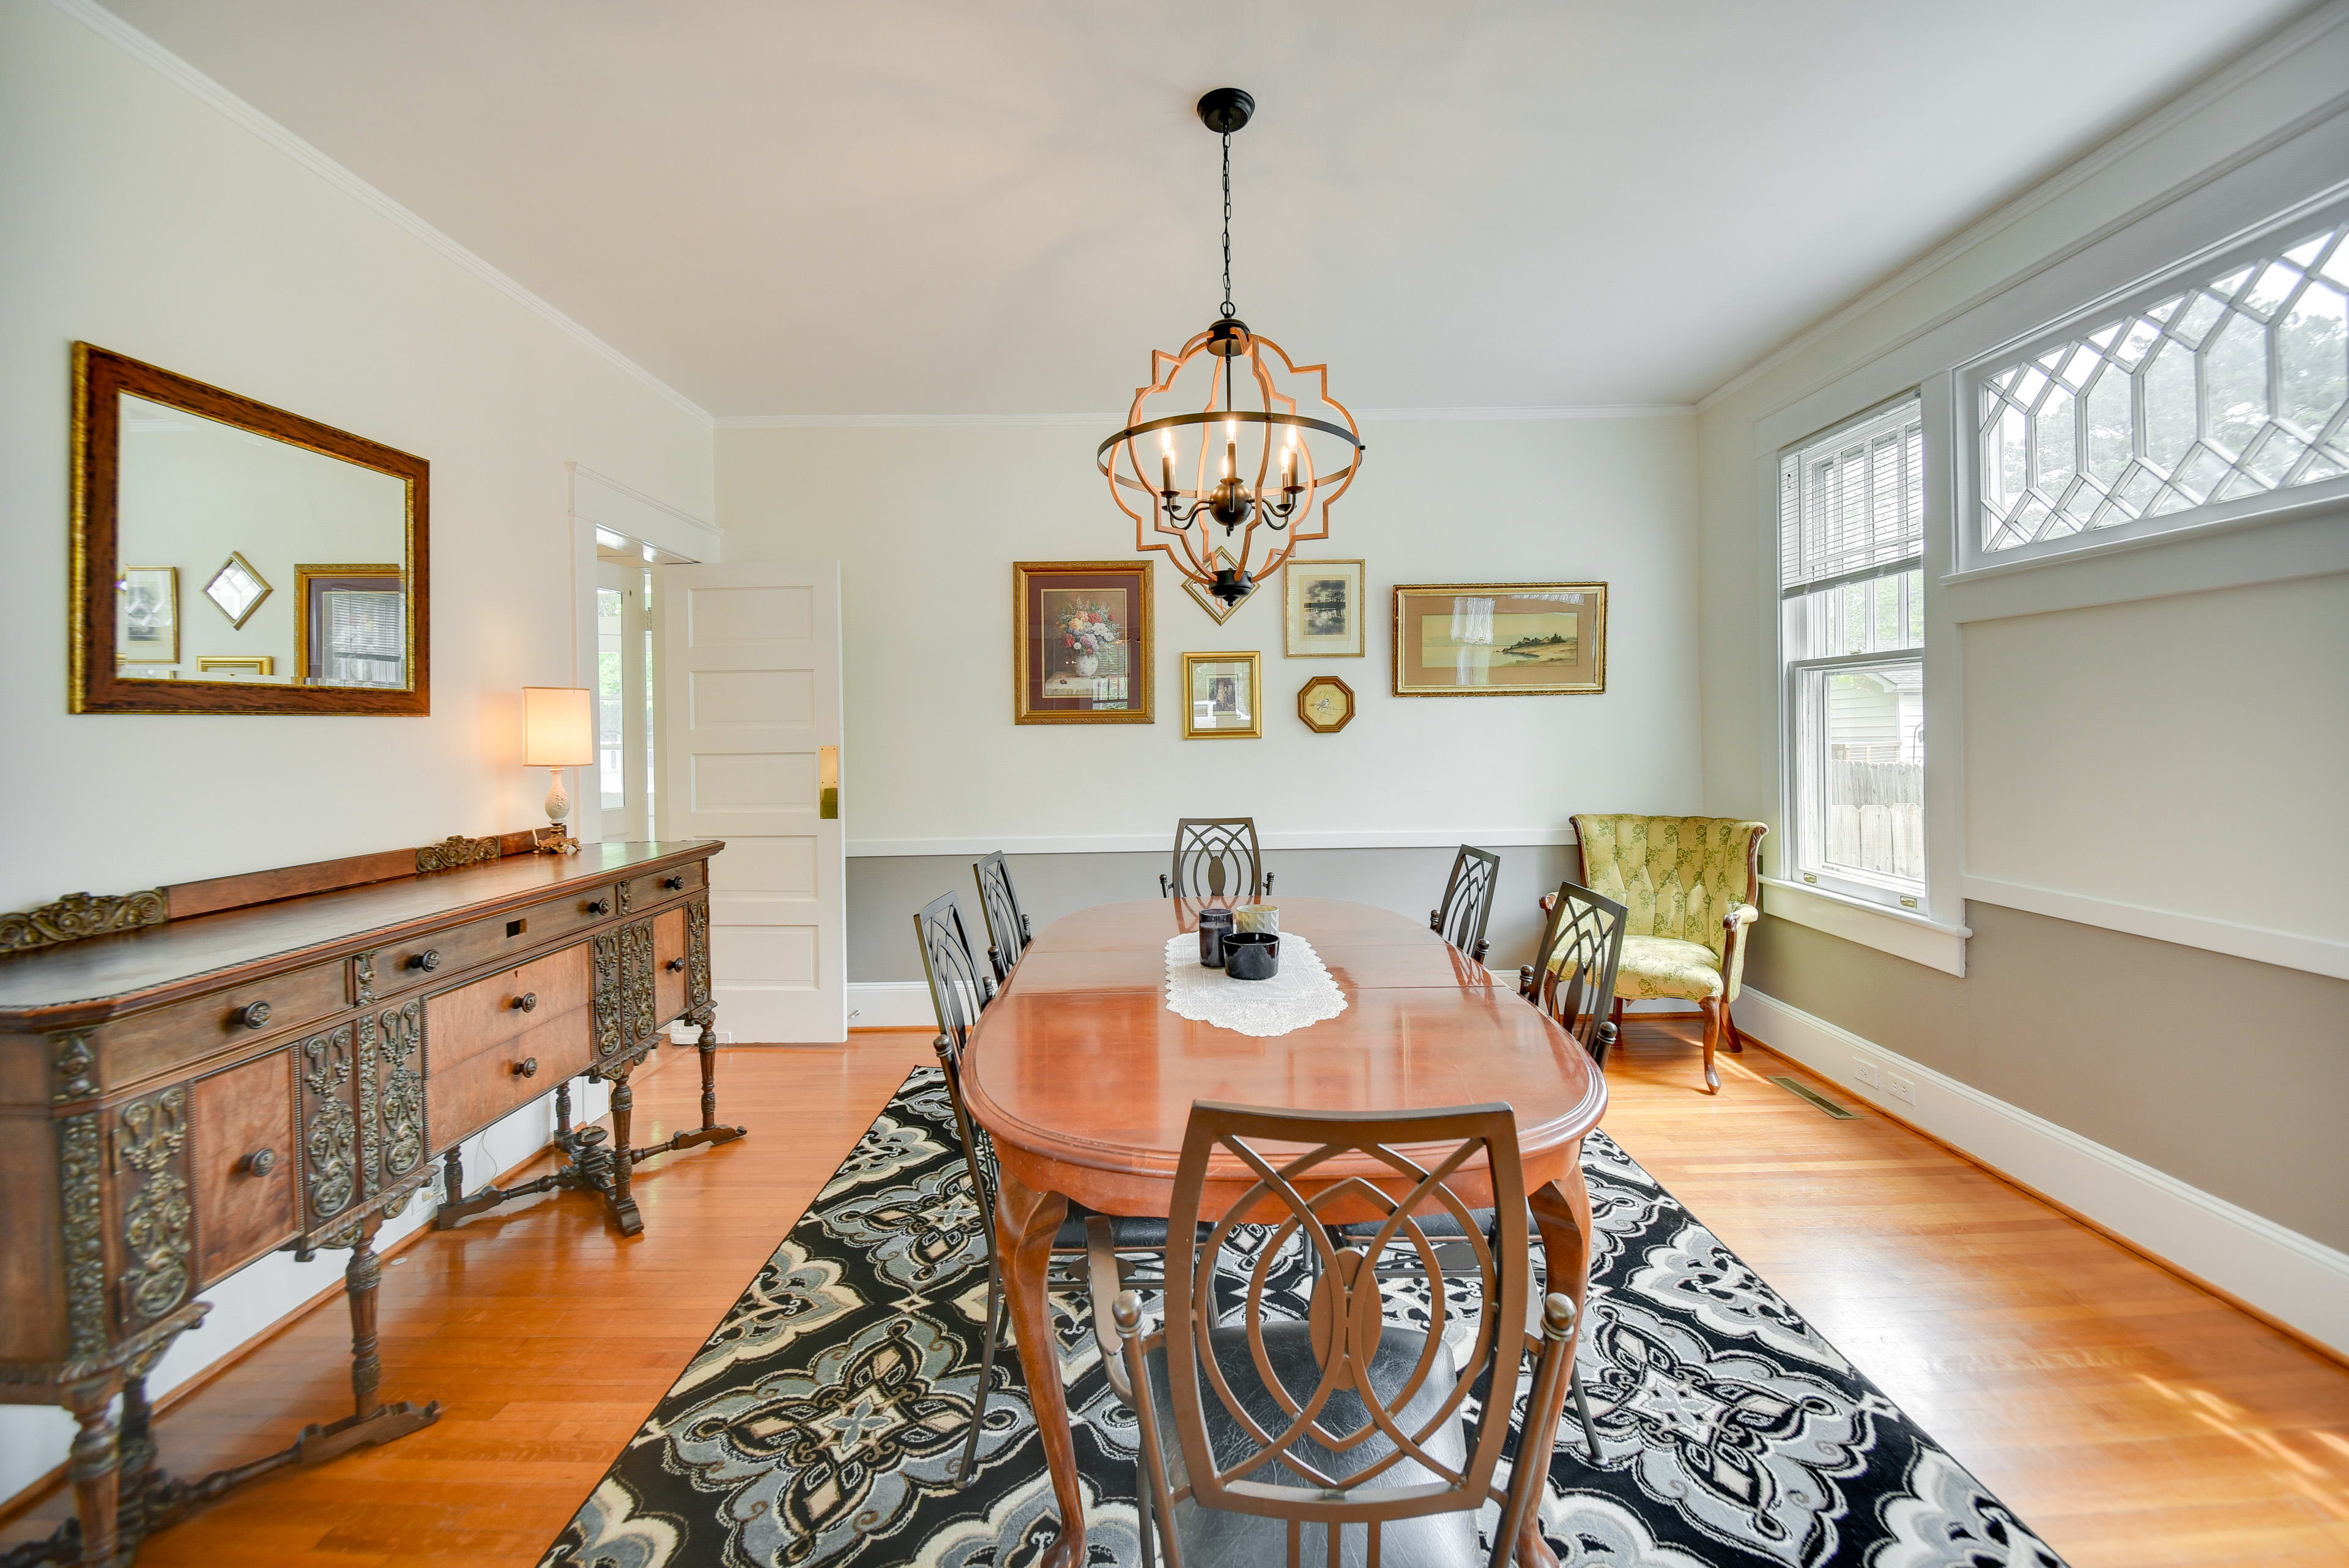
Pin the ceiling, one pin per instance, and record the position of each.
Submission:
(932, 207)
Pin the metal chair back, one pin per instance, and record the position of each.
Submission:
(1216, 857)
(1572, 977)
(1008, 933)
(1467, 905)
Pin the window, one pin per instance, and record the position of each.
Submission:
(2222, 387)
(364, 635)
(1851, 520)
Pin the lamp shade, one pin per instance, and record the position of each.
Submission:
(558, 727)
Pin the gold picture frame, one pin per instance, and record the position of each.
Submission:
(1500, 640)
(238, 663)
(1106, 606)
(312, 579)
(1312, 592)
(1222, 696)
(147, 616)
(1326, 704)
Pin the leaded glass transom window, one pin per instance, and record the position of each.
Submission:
(2232, 388)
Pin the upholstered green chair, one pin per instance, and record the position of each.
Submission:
(1691, 885)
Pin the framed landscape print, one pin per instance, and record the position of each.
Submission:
(1325, 610)
(1081, 642)
(1499, 639)
(1220, 693)
(147, 616)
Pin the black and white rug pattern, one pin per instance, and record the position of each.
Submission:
(821, 1424)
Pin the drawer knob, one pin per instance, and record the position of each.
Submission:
(600, 906)
(672, 883)
(526, 1068)
(427, 961)
(254, 1015)
(675, 965)
(260, 1162)
(526, 1002)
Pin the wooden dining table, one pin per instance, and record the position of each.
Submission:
(1085, 1079)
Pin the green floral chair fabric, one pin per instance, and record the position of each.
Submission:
(1689, 883)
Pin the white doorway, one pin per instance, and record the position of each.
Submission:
(626, 777)
(749, 674)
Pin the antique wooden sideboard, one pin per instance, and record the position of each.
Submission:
(193, 1077)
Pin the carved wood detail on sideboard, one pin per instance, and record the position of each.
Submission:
(181, 1093)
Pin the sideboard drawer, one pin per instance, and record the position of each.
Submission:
(461, 1024)
(185, 1030)
(644, 892)
(406, 965)
(464, 1098)
(241, 1162)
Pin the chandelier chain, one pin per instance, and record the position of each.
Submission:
(1227, 225)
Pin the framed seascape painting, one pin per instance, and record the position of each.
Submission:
(1081, 642)
(1220, 693)
(1325, 610)
(1499, 639)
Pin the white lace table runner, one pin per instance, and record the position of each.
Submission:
(1301, 993)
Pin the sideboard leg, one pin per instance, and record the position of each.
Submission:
(95, 1470)
(707, 1046)
(617, 1197)
(361, 1277)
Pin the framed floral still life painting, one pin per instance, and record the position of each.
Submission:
(1499, 639)
(1324, 609)
(1220, 693)
(1081, 642)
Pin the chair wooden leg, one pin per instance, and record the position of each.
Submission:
(1713, 1012)
(1729, 1033)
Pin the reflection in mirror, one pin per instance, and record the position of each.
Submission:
(297, 559)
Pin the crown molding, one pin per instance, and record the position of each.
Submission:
(1530, 411)
(2260, 57)
(154, 56)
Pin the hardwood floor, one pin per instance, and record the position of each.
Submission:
(2129, 1418)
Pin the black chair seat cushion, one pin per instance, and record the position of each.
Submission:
(1217, 1536)
(1435, 1226)
(1133, 1232)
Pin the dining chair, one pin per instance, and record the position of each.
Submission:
(960, 991)
(1572, 977)
(1254, 1429)
(1467, 905)
(1212, 855)
(1007, 932)
(1691, 885)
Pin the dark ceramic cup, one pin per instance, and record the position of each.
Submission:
(1252, 955)
(1215, 926)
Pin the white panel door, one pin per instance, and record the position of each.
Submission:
(751, 677)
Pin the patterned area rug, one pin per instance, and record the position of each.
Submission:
(821, 1424)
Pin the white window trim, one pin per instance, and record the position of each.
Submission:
(1936, 944)
(1971, 561)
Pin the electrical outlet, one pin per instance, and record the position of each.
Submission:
(1864, 1070)
(1902, 1089)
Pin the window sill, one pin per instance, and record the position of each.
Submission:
(1917, 938)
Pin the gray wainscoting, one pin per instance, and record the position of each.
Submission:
(883, 891)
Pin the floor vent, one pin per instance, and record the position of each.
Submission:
(1803, 1091)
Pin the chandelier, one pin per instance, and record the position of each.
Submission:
(1230, 447)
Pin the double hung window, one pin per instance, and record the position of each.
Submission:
(1851, 520)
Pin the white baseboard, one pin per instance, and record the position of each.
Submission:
(890, 1005)
(2291, 1277)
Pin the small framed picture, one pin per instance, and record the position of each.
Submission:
(1081, 642)
(1217, 609)
(147, 616)
(1219, 697)
(1500, 640)
(1325, 610)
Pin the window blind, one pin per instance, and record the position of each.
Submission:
(364, 637)
(1851, 503)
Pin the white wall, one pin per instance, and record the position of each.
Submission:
(927, 522)
(144, 219)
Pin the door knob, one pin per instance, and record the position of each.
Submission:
(427, 961)
(260, 1162)
(254, 1015)
(526, 1068)
(526, 1002)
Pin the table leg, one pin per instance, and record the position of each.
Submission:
(1025, 1223)
(1562, 1212)
(94, 1469)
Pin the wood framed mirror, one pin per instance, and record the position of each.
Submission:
(231, 557)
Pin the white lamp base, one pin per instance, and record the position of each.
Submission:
(555, 839)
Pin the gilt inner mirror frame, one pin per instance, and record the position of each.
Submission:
(169, 472)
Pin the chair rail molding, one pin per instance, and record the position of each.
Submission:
(1157, 841)
(2285, 949)
(2295, 1279)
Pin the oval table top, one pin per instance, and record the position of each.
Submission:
(1086, 1080)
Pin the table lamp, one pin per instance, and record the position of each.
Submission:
(558, 732)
